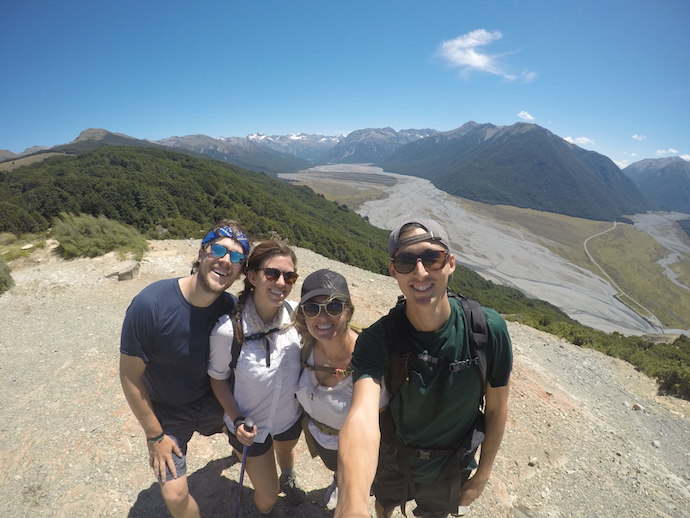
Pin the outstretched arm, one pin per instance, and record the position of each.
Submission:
(358, 450)
(496, 414)
(160, 452)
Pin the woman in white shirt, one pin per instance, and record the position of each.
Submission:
(266, 371)
(325, 385)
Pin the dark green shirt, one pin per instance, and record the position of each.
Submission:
(436, 408)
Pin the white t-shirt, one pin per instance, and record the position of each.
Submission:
(266, 394)
(327, 405)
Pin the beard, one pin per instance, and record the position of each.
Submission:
(206, 279)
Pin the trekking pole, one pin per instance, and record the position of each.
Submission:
(248, 426)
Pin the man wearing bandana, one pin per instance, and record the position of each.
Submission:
(164, 350)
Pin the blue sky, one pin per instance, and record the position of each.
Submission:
(611, 76)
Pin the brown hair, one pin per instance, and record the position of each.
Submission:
(225, 222)
(261, 253)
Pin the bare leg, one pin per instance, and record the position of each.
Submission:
(262, 472)
(285, 454)
(178, 500)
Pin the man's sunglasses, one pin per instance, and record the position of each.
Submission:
(221, 251)
(273, 274)
(405, 262)
(312, 309)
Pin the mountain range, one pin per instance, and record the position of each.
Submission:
(522, 164)
(665, 181)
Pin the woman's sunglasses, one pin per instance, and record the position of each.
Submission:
(273, 274)
(312, 309)
(405, 262)
(221, 251)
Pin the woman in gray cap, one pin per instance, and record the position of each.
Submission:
(325, 386)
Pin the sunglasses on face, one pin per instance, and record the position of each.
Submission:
(333, 308)
(220, 251)
(405, 262)
(273, 274)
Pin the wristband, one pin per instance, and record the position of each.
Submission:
(157, 438)
(239, 421)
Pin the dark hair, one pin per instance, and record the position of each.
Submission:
(225, 222)
(261, 253)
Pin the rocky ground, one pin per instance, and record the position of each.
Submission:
(587, 435)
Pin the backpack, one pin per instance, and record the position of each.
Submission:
(398, 328)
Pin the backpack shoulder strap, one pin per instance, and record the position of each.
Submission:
(304, 354)
(477, 331)
(398, 328)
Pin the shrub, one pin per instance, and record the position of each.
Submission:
(89, 236)
(7, 238)
(6, 280)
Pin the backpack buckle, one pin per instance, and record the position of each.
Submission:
(424, 454)
(459, 365)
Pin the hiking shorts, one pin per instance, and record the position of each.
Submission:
(204, 416)
(259, 448)
(433, 500)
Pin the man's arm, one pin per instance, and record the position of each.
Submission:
(358, 450)
(132, 378)
(496, 414)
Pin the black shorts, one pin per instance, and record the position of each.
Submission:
(204, 416)
(434, 500)
(259, 448)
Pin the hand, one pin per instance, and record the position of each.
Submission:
(472, 489)
(244, 436)
(160, 457)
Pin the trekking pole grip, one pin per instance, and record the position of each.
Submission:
(248, 424)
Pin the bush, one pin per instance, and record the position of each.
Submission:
(6, 280)
(7, 238)
(89, 236)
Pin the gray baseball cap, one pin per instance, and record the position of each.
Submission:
(434, 233)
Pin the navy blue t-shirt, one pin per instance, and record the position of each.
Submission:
(171, 337)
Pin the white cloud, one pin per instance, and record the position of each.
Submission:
(465, 52)
(639, 137)
(669, 151)
(525, 116)
(685, 157)
(580, 141)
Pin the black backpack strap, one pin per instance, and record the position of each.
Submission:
(478, 333)
(398, 329)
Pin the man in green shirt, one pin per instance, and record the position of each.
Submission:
(418, 451)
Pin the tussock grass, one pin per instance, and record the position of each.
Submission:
(89, 236)
(6, 280)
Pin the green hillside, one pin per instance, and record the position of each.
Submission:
(167, 194)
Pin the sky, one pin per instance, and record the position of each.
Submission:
(612, 76)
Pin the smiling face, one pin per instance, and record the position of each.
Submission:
(217, 274)
(325, 327)
(270, 294)
(422, 287)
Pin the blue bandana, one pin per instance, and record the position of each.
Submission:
(238, 236)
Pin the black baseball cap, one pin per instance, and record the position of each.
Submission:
(325, 283)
